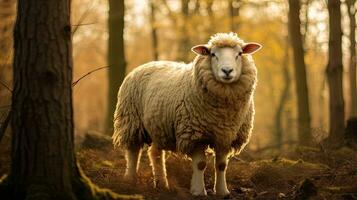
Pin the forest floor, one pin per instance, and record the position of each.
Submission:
(301, 173)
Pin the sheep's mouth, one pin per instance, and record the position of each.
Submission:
(227, 79)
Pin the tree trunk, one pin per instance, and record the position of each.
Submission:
(304, 130)
(351, 130)
(352, 78)
(43, 160)
(334, 73)
(234, 7)
(116, 57)
(284, 97)
(154, 31)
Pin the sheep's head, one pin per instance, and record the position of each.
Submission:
(225, 51)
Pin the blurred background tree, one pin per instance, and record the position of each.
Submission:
(334, 72)
(116, 57)
(304, 128)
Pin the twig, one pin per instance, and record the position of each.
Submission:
(82, 18)
(7, 87)
(4, 125)
(84, 24)
(94, 70)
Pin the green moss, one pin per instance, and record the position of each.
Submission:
(86, 190)
(107, 163)
(282, 162)
(279, 173)
(306, 149)
(345, 152)
(83, 189)
(339, 189)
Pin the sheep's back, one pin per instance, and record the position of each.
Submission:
(155, 89)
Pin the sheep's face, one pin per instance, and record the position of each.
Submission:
(226, 62)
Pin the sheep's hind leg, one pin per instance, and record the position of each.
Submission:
(198, 167)
(157, 161)
(132, 156)
(220, 186)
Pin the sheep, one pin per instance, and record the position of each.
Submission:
(188, 108)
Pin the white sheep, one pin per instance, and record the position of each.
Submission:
(188, 108)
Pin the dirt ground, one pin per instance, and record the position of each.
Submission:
(302, 173)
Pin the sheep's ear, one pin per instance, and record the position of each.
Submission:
(201, 50)
(251, 48)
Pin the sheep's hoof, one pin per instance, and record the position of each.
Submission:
(161, 185)
(224, 193)
(196, 192)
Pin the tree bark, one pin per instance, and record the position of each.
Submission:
(154, 31)
(43, 159)
(7, 16)
(304, 129)
(116, 57)
(334, 73)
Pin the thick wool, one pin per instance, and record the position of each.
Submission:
(180, 107)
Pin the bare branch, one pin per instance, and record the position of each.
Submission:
(82, 18)
(84, 24)
(94, 70)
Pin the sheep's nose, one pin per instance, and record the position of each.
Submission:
(227, 71)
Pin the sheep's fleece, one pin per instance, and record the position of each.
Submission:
(181, 106)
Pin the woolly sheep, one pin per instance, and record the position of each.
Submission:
(187, 108)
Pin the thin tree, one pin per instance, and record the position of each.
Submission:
(351, 125)
(154, 30)
(334, 71)
(43, 161)
(184, 43)
(352, 60)
(284, 96)
(211, 20)
(304, 130)
(116, 57)
(234, 8)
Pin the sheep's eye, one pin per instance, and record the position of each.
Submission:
(240, 53)
(213, 55)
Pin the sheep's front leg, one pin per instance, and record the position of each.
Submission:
(198, 167)
(220, 185)
(157, 160)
